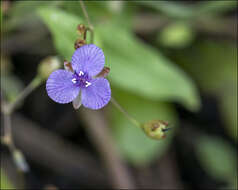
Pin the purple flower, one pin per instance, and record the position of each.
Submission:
(81, 85)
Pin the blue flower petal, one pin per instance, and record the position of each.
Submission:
(60, 87)
(97, 95)
(89, 59)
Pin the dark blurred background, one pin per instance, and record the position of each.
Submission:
(170, 60)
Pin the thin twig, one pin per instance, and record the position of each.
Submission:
(7, 139)
(33, 85)
(90, 26)
(8, 132)
(126, 114)
(86, 14)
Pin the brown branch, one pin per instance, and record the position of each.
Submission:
(97, 129)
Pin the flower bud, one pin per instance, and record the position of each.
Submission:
(47, 66)
(105, 71)
(68, 66)
(155, 129)
(81, 29)
(79, 43)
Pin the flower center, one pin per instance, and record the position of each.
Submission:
(81, 79)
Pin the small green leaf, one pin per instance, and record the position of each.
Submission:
(134, 145)
(176, 35)
(141, 69)
(63, 27)
(217, 157)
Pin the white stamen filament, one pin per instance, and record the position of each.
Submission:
(87, 84)
(81, 73)
(74, 80)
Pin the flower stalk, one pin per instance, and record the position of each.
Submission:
(90, 26)
(31, 86)
(125, 113)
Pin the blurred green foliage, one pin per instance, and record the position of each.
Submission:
(218, 158)
(65, 33)
(214, 67)
(178, 10)
(5, 184)
(176, 35)
(145, 71)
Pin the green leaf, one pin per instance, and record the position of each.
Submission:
(5, 183)
(141, 69)
(217, 157)
(134, 145)
(63, 27)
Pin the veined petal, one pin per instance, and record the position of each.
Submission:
(60, 87)
(89, 59)
(97, 95)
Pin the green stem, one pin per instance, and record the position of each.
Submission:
(33, 85)
(125, 113)
(90, 26)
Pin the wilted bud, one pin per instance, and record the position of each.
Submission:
(79, 43)
(155, 129)
(47, 66)
(105, 71)
(81, 29)
(68, 66)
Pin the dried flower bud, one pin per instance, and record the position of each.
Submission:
(68, 66)
(79, 43)
(105, 71)
(155, 129)
(81, 29)
(47, 66)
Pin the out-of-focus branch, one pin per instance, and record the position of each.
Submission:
(54, 153)
(97, 129)
(148, 23)
(7, 139)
